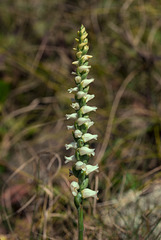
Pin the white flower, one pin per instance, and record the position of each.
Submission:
(77, 79)
(86, 150)
(91, 168)
(89, 97)
(71, 116)
(70, 127)
(82, 120)
(74, 187)
(75, 106)
(71, 145)
(77, 133)
(81, 94)
(89, 124)
(86, 109)
(86, 168)
(89, 193)
(86, 82)
(87, 137)
(80, 166)
(84, 68)
(70, 90)
(69, 159)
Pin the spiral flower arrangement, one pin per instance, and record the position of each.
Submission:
(81, 169)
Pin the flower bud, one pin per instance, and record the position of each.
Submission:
(81, 45)
(74, 187)
(77, 133)
(79, 54)
(77, 79)
(84, 36)
(75, 63)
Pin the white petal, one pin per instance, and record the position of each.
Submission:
(75, 106)
(77, 79)
(81, 94)
(80, 166)
(87, 137)
(69, 159)
(86, 82)
(86, 150)
(91, 168)
(74, 187)
(84, 68)
(70, 127)
(81, 121)
(71, 145)
(89, 193)
(70, 90)
(89, 124)
(71, 116)
(89, 97)
(77, 133)
(86, 109)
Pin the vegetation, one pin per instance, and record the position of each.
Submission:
(36, 41)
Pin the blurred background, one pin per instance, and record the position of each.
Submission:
(36, 41)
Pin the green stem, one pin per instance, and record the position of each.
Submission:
(80, 222)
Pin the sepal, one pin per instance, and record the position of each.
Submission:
(78, 200)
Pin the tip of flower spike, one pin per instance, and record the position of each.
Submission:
(82, 26)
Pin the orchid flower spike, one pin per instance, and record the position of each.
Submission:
(80, 126)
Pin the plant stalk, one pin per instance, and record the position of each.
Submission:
(80, 222)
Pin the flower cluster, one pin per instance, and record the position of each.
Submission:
(82, 122)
